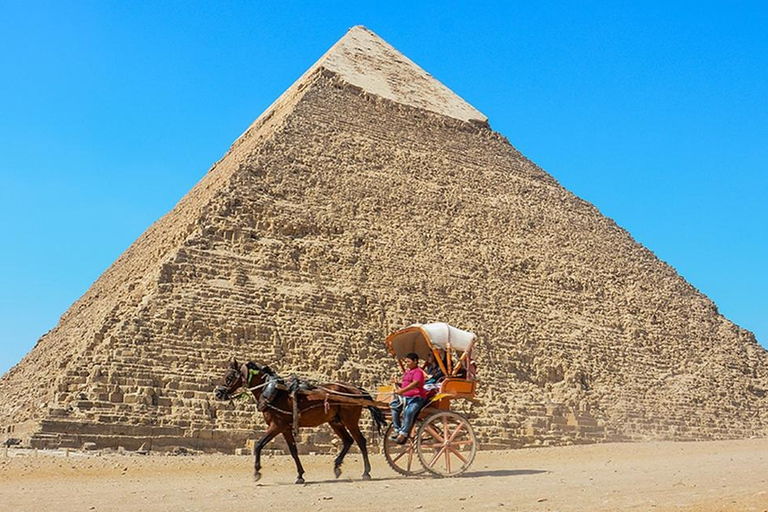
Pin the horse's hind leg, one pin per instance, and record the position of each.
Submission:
(288, 435)
(354, 430)
(270, 434)
(346, 440)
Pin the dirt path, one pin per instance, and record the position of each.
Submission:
(731, 476)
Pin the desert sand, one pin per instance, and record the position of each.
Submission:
(701, 476)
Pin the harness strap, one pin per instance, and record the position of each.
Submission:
(332, 392)
(295, 413)
(278, 409)
(314, 406)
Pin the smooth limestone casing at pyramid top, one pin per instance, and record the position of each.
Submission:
(369, 197)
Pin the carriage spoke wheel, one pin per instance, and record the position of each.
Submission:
(446, 444)
(402, 457)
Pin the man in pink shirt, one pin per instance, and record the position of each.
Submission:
(410, 396)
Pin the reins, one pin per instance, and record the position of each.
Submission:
(247, 391)
(332, 392)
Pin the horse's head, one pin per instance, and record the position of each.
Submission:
(232, 381)
(238, 376)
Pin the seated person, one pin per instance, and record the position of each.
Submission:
(410, 396)
(434, 374)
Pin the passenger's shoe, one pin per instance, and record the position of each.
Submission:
(401, 439)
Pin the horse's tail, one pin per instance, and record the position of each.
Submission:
(379, 420)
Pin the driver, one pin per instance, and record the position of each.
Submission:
(411, 397)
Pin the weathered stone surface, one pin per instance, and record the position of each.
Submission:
(339, 216)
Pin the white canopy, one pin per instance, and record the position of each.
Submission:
(418, 338)
(442, 334)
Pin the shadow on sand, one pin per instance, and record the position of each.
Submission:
(503, 472)
(468, 474)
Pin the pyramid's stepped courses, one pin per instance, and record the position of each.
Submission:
(340, 216)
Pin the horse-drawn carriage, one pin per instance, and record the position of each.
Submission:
(441, 441)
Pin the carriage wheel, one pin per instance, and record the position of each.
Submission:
(402, 457)
(446, 444)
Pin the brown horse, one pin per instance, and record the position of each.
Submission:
(343, 418)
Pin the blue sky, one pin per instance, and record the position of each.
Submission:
(111, 111)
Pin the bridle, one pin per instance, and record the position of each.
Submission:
(246, 374)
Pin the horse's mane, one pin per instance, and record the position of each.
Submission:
(263, 369)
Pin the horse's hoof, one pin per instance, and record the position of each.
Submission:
(366, 476)
(300, 480)
(337, 471)
(256, 476)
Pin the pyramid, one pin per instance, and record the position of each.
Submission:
(366, 198)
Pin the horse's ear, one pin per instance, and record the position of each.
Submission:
(267, 370)
(235, 364)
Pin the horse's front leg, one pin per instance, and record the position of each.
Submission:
(288, 435)
(270, 434)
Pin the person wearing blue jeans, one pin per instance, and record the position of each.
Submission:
(410, 396)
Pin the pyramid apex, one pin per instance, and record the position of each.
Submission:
(365, 60)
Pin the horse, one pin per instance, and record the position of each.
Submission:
(343, 418)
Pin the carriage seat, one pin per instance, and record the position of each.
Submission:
(458, 387)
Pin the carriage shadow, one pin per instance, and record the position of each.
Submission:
(468, 474)
(503, 472)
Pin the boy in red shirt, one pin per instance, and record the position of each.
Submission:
(411, 397)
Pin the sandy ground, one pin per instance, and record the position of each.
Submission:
(727, 476)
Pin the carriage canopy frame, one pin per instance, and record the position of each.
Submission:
(424, 339)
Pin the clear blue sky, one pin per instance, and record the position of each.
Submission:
(111, 111)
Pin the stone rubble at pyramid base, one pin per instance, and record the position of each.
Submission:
(544, 425)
